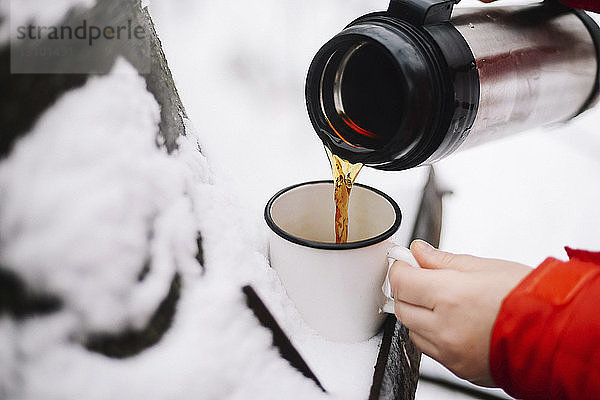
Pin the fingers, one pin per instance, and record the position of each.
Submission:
(424, 344)
(432, 258)
(413, 285)
(415, 318)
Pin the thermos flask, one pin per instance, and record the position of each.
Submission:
(413, 84)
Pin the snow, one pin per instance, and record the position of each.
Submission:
(59, 194)
(432, 369)
(520, 199)
(86, 192)
(530, 195)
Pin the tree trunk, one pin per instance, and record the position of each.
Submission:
(27, 94)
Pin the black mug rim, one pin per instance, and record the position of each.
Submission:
(327, 245)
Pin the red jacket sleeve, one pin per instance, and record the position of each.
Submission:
(546, 339)
(589, 5)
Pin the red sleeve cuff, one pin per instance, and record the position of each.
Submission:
(583, 255)
(589, 5)
(544, 341)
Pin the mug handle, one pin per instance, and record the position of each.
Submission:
(396, 253)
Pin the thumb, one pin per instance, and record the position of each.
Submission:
(432, 258)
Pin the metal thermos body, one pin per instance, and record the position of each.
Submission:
(528, 75)
(422, 80)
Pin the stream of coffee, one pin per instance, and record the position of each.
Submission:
(344, 175)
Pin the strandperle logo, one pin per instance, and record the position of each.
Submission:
(88, 32)
(82, 40)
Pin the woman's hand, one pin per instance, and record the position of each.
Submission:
(450, 306)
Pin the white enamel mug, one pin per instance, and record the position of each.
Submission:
(337, 288)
